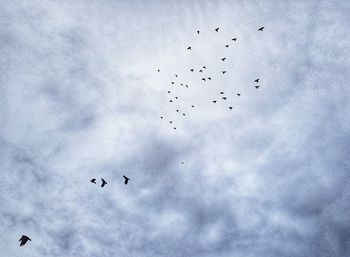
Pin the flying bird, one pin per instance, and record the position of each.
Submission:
(174, 127)
(204, 67)
(257, 80)
(221, 93)
(191, 70)
(217, 29)
(172, 82)
(209, 78)
(176, 97)
(170, 121)
(234, 39)
(170, 101)
(230, 107)
(182, 162)
(161, 117)
(189, 48)
(224, 98)
(103, 182)
(257, 87)
(226, 45)
(200, 70)
(261, 29)
(186, 86)
(24, 239)
(175, 75)
(158, 70)
(192, 106)
(238, 94)
(177, 110)
(168, 92)
(197, 31)
(182, 84)
(126, 179)
(203, 79)
(223, 59)
(94, 180)
(184, 114)
(214, 102)
(223, 72)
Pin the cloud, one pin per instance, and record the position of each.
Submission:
(81, 97)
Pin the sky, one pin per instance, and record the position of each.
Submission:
(81, 98)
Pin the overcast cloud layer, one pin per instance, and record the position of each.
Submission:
(80, 97)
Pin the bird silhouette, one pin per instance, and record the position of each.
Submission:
(234, 39)
(177, 110)
(197, 31)
(168, 92)
(224, 98)
(174, 127)
(170, 121)
(189, 48)
(176, 97)
(158, 70)
(94, 180)
(182, 162)
(223, 72)
(161, 117)
(221, 93)
(209, 78)
(203, 79)
(204, 67)
(170, 101)
(261, 29)
(182, 84)
(103, 182)
(192, 106)
(257, 80)
(172, 82)
(175, 75)
(217, 29)
(126, 179)
(184, 114)
(191, 70)
(223, 59)
(226, 45)
(238, 94)
(257, 87)
(214, 101)
(230, 107)
(186, 86)
(24, 239)
(200, 70)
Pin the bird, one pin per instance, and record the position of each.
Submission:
(223, 59)
(221, 93)
(126, 179)
(204, 67)
(257, 80)
(182, 162)
(192, 70)
(158, 70)
(176, 97)
(230, 107)
(238, 94)
(261, 29)
(177, 110)
(182, 84)
(175, 75)
(170, 121)
(94, 180)
(184, 114)
(223, 72)
(214, 102)
(186, 86)
(200, 70)
(209, 78)
(161, 117)
(257, 87)
(189, 48)
(197, 31)
(217, 29)
(234, 39)
(203, 79)
(192, 106)
(226, 45)
(172, 82)
(174, 127)
(224, 98)
(168, 92)
(170, 101)
(24, 239)
(103, 182)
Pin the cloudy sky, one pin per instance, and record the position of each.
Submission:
(81, 98)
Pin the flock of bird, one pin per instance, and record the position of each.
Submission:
(24, 239)
(205, 78)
